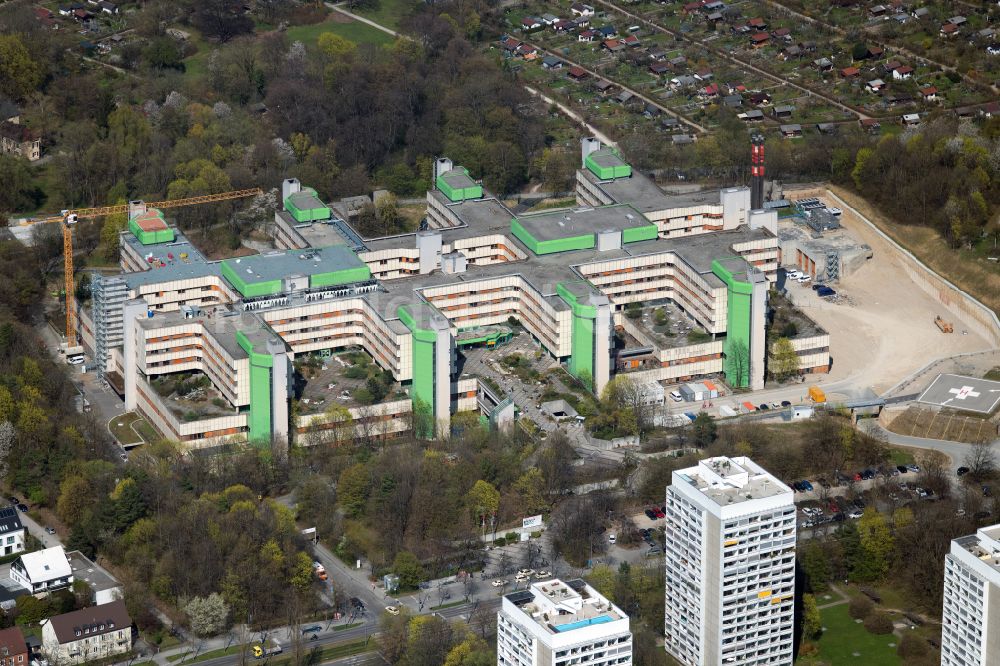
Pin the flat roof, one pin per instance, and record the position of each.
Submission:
(969, 394)
(305, 200)
(151, 220)
(458, 179)
(571, 222)
(278, 265)
(559, 607)
(320, 233)
(646, 196)
(96, 577)
(728, 480)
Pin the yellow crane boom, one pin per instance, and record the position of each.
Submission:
(69, 218)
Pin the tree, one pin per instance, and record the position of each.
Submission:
(877, 546)
(20, 73)
(473, 651)
(816, 565)
(812, 623)
(334, 46)
(207, 616)
(860, 607)
(981, 461)
(221, 20)
(162, 53)
(353, 488)
(785, 362)
(482, 499)
(111, 229)
(704, 430)
(879, 623)
(19, 191)
(408, 568)
(737, 367)
(911, 645)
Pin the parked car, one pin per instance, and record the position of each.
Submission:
(50, 530)
(785, 403)
(311, 630)
(23, 508)
(913, 468)
(650, 514)
(763, 407)
(543, 574)
(612, 539)
(804, 278)
(392, 610)
(676, 396)
(498, 583)
(902, 469)
(962, 471)
(806, 485)
(659, 513)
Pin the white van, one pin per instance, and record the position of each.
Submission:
(633, 28)
(676, 396)
(75, 360)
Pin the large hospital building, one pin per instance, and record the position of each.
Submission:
(412, 302)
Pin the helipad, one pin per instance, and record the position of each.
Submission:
(969, 394)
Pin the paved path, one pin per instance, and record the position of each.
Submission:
(340, 8)
(837, 591)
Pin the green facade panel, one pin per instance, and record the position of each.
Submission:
(345, 276)
(422, 387)
(581, 360)
(643, 233)
(250, 289)
(458, 188)
(737, 344)
(606, 164)
(584, 242)
(164, 235)
(306, 206)
(260, 390)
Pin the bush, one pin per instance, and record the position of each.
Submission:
(860, 607)
(878, 623)
(536, 535)
(912, 646)
(511, 536)
(500, 542)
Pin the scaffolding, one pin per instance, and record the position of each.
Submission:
(109, 294)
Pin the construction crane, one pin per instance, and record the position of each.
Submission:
(69, 219)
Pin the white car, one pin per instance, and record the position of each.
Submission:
(75, 360)
(543, 574)
(676, 396)
(499, 583)
(792, 275)
(526, 572)
(612, 539)
(804, 278)
(836, 212)
(392, 610)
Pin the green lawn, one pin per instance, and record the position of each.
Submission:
(388, 12)
(359, 33)
(121, 428)
(846, 642)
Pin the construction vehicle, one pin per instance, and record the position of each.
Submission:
(945, 326)
(70, 218)
(816, 394)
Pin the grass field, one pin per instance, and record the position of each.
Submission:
(121, 428)
(359, 33)
(388, 12)
(846, 642)
(917, 421)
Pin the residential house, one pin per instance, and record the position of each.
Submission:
(613, 45)
(957, 20)
(736, 88)
(875, 52)
(901, 17)
(753, 115)
(784, 111)
(733, 101)
(760, 99)
(16, 139)
(921, 12)
(823, 64)
(849, 72)
(631, 41)
(549, 19)
(562, 25)
(108, 7)
(757, 24)
(896, 100)
(678, 63)
(870, 125)
(65, 10)
(670, 124)
(510, 45)
(82, 15)
(793, 131)
(878, 10)
(604, 87)
(580, 9)
(587, 36)
(607, 31)
(581, 21)
(759, 40)
(990, 110)
(681, 139)
(527, 52)
(949, 30)
(657, 55)
(704, 75)
(714, 17)
(624, 97)
(714, 6)
(929, 93)
(13, 648)
(902, 73)
(784, 34)
(11, 531)
(651, 111)
(911, 119)
(42, 571)
(683, 81)
(577, 73)
(531, 23)
(993, 49)
(711, 90)
(986, 34)
(659, 68)
(826, 128)
(692, 7)
(891, 66)
(875, 86)
(89, 634)
(551, 62)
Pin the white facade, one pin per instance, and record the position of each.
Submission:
(11, 532)
(730, 565)
(556, 623)
(42, 571)
(970, 620)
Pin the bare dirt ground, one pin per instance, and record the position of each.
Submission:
(883, 329)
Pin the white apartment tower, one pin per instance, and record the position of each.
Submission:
(970, 620)
(556, 623)
(730, 558)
